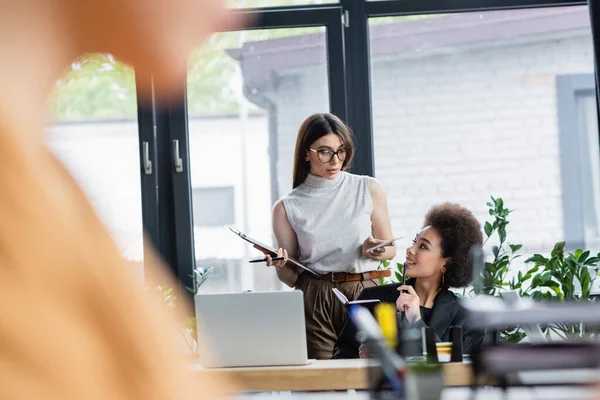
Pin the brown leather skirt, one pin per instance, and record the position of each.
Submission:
(324, 313)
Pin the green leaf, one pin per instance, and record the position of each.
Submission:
(558, 251)
(488, 229)
(537, 259)
(592, 261)
(499, 204)
(558, 293)
(546, 275)
(502, 234)
(495, 250)
(586, 283)
(547, 296)
(515, 247)
(504, 258)
(584, 256)
(536, 295)
(549, 283)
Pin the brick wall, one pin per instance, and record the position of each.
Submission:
(460, 126)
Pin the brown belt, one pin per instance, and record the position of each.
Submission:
(349, 277)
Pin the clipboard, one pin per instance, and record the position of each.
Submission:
(270, 250)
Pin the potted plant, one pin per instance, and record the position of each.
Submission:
(424, 381)
(169, 300)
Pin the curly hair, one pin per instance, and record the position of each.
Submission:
(460, 231)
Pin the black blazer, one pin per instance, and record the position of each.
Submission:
(445, 313)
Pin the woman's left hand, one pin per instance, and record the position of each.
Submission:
(409, 303)
(362, 351)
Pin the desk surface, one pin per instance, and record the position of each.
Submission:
(321, 375)
(560, 393)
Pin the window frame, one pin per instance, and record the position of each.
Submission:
(166, 194)
(572, 137)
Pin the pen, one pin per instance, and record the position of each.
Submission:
(257, 260)
(404, 277)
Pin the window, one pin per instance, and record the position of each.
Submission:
(213, 206)
(275, 3)
(94, 132)
(248, 92)
(579, 149)
(588, 117)
(465, 106)
(222, 278)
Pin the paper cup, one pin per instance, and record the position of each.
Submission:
(444, 350)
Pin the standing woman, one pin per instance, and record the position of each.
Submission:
(328, 222)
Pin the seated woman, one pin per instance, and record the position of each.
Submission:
(438, 259)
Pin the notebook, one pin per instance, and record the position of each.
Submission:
(348, 303)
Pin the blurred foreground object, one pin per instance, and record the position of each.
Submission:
(74, 323)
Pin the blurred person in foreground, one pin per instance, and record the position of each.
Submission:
(74, 323)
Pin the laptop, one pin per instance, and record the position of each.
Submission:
(252, 329)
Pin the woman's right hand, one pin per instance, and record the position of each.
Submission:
(277, 263)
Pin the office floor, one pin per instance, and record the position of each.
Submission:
(540, 393)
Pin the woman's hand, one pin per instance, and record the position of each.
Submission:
(362, 352)
(277, 263)
(409, 303)
(376, 254)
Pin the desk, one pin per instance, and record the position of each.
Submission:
(562, 393)
(320, 375)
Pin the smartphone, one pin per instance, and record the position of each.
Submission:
(384, 244)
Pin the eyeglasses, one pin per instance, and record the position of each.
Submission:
(326, 155)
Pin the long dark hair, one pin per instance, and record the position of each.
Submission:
(312, 129)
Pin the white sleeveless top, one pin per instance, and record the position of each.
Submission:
(332, 219)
